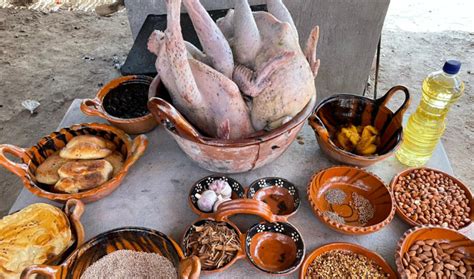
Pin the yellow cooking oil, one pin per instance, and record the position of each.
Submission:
(426, 126)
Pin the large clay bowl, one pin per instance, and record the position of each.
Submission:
(350, 180)
(129, 238)
(228, 156)
(408, 220)
(95, 107)
(349, 247)
(430, 232)
(343, 109)
(31, 158)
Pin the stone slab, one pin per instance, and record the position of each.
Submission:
(154, 194)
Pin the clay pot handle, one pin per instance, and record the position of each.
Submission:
(387, 97)
(17, 168)
(244, 206)
(92, 107)
(318, 127)
(50, 271)
(74, 210)
(139, 146)
(165, 112)
(190, 268)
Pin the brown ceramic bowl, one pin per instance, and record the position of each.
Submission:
(281, 195)
(31, 158)
(343, 109)
(95, 107)
(410, 221)
(349, 247)
(337, 184)
(430, 232)
(130, 238)
(228, 156)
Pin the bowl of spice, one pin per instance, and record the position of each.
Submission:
(345, 260)
(123, 102)
(351, 200)
(425, 196)
(435, 252)
(129, 252)
(357, 130)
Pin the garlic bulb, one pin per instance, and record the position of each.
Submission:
(221, 187)
(220, 200)
(206, 200)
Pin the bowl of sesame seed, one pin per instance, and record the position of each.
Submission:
(351, 200)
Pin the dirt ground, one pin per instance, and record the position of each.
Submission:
(57, 57)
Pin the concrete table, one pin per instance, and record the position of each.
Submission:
(154, 195)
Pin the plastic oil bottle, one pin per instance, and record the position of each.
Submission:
(426, 126)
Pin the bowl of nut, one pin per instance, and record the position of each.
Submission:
(351, 200)
(345, 260)
(425, 196)
(359, 131)
(435, 252)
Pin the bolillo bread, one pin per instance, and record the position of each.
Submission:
(47, 172)
(33, 235)
(82, 175)
(87, 147)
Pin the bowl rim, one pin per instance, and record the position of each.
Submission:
(350, 154)
(343, 227)
(408, 233)
(374, 256)
(461, 184)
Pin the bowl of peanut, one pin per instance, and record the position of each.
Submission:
(425, 196)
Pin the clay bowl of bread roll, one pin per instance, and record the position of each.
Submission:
(39, 234)
(85, 162)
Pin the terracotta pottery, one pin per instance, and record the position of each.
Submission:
(129, 238)
(280, 232)
(463, 186)
(281, 195)
(32, 157)
(350, 180)
(228, 156)
(200, 186)
(343, 109)
(431, 232)
(95, 107)
(349, 247)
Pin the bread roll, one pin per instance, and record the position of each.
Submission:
(31, 236)
(47, 172)
(82, 175)
(87, 147)
(116, 160)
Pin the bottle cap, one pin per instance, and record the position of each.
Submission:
(452, 67)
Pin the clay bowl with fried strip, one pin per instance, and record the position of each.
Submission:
(30, 158)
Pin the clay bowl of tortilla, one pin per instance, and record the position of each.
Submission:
(123, 102)
(341, 110)
(410, 219)
(202, 185)
(32, 157)
(275, 248)
(351, 200)
(354, 248)
(457, 241)
(281, 195)
(128, 238)
(227, 156)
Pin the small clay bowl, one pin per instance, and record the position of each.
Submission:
(95, 107)
(240, 254)
(129, 238)
(344, 109)
(31, 158)
(281, 195)
(410, 221)
(431, 232)
(275, 248)
(200, 186)
(348, 247)
(350, 180)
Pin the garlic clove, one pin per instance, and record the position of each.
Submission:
(226, 192)
(207, 200)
